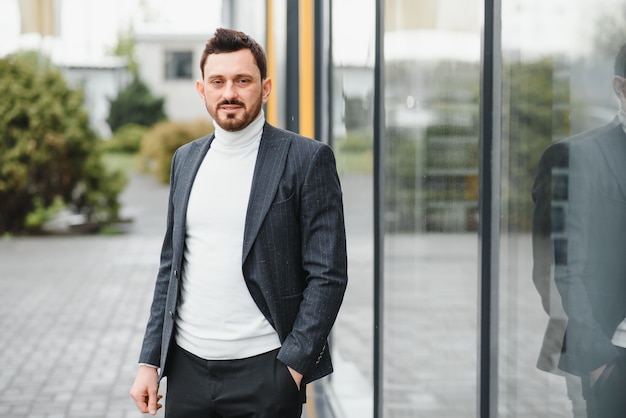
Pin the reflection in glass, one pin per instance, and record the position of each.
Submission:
(557, 81)
(432, 79)
(557, 84)
(352, 122)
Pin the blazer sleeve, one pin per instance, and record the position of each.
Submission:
(550, 194)
(152, 341)
(324, 261)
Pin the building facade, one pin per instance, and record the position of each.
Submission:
(168, 64)
(101, 81)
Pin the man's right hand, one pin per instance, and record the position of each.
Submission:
(145, 390)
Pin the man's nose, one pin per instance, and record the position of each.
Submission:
(230, 91)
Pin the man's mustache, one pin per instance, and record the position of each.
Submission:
(231, 102)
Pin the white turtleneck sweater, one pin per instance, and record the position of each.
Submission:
(217, 318)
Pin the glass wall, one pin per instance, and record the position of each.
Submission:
(352, 127)
(560, 218)
(562, 208)
(430, 214)
(432, 82)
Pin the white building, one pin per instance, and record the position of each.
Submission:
(101, 82)
(168, 63)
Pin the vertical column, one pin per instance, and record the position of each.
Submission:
(307, 68)
(271, 108)
(323, 72)
(292, 96)
(489, 207)
(379, 207)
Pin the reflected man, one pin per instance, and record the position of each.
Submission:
(588, 237)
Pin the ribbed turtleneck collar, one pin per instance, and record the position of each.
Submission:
(226, 140)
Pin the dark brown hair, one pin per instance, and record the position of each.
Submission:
(230, 40)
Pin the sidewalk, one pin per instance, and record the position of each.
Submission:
(73, 311)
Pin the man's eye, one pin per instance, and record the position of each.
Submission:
(243, 81)
(216, 82)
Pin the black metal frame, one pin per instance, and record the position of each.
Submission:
(323, 71)
(292, 96)
(489, 205)
(379, 208)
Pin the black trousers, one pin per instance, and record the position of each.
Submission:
(254, 387)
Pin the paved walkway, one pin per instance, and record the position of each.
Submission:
(72, 315)
(72, 312)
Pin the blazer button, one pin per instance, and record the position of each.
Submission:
(176, 273)
(171, 314)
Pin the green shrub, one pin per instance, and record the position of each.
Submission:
(126, 139)
(135, 104)
(355, 143)
(41, 214)
(160, 143)
(49, 156)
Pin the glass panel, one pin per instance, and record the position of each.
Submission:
(562, 262)
(352, 104)
(432, 72)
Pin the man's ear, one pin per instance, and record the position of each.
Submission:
(619, 86)
(267, 89)
(200, 88)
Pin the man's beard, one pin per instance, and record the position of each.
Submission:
(233, 122)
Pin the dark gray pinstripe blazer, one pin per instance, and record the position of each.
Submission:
(294, 249)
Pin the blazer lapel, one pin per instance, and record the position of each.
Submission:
(268, 171)
(184, 179)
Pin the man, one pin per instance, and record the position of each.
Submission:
(588, 232)
(253, 265)
(551, 238)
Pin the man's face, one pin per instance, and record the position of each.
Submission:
(232, 89)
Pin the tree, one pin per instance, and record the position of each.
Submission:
(48, 152)
(135, 104)
(532, 114)
(125, 47)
